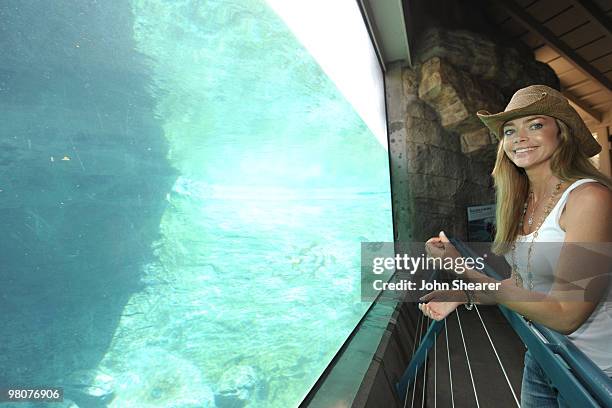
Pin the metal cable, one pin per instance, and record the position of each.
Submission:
(435, 370)
(425, 370)
(467, 358)
(450, 372)
(498, 359)
(413, 348)
(416, 369)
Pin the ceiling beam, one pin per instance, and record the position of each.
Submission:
(388, 28)
(555, 43)
(408, 24)
(601, 105)
(366, 12)
(596, 14)
(577, 85)
(593, 114)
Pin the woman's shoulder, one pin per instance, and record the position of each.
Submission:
(589, 206)
(592, 191)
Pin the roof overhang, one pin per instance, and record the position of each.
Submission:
(387, 24)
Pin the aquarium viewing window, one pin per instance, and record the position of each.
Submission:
(184, 188)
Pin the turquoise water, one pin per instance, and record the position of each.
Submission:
(192, 190)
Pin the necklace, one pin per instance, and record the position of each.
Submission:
(530, 220)
(547, 209)
(533, 207)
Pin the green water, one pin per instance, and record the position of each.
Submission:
(254, 280)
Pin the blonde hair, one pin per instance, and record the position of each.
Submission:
(568, 163)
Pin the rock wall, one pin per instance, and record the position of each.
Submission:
(83, 181)
(441, 154)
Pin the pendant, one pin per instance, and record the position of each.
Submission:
(530, 280)
(518, 281)
(530, 221)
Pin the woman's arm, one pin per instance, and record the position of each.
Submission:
(441, 303)
(564, 316)
(585, 256)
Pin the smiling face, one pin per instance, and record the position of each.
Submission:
(530, 140)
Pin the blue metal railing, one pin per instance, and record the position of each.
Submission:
(579, 381)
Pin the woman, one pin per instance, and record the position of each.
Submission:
(547, 192)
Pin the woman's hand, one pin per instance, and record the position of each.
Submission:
(440, 247)
(438, 310)
(440, 303)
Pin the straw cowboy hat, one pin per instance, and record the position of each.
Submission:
(542, 100)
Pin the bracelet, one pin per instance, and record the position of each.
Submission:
(470, 303)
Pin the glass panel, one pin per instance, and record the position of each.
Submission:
(184, 186)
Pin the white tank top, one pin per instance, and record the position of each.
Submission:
(593, 337)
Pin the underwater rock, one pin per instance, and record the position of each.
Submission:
(238, 386)
(89, 387)
(155, 377)
(191, 188)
